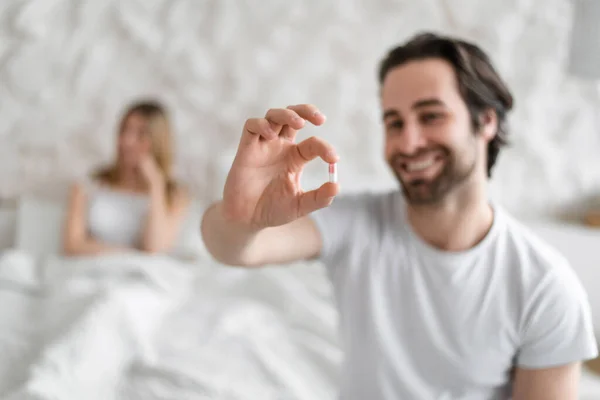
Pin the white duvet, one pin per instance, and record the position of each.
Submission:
(147, 327)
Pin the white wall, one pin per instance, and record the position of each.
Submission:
(67, 67)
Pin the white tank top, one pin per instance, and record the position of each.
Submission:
(116, 217)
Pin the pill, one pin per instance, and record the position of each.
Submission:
(333, 173)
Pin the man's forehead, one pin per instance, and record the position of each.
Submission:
(417, 80)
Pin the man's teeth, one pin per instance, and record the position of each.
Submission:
(419, 166)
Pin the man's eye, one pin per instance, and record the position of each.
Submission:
(431, 117)
(395, 125)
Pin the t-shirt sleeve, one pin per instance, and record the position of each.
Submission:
(558, 328)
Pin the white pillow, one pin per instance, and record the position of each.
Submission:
(8, 226)
(18, 268)
(40, 225)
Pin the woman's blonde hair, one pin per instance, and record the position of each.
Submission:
(159, 131)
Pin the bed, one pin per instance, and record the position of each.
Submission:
(176, 326)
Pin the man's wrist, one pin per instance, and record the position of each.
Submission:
(234, 222)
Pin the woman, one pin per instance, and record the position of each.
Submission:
(133, 204)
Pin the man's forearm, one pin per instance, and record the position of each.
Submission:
(228, 242)
(553, 383)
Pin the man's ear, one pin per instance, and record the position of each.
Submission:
(488, 121)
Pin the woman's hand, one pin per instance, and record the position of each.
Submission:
(151, 172)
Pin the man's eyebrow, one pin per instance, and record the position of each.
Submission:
(391, 113)
(428, 103)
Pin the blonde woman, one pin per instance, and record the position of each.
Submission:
(134, 203)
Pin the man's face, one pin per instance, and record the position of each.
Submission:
(430, 144)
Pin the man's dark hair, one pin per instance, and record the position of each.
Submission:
(479, 84)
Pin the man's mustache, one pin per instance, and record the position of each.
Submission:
(399, 157)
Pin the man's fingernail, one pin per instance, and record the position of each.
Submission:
(318, 114)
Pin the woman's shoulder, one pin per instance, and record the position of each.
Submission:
(85, 185)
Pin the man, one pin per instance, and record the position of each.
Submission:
(442, 294)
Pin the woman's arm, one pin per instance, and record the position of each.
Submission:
(76, 241)
(164, 220)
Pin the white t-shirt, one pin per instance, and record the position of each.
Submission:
(420, 323)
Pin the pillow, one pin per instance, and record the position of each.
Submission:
(8, 225)
(18, 268)
(39, 226)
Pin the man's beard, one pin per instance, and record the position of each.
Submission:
(432, 191)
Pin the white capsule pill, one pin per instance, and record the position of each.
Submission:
(333, 173)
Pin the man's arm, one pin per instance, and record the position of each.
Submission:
(557, 336)
(236, 245)
(557, 383)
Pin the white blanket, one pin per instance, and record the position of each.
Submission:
(141, 327)
(147, 327)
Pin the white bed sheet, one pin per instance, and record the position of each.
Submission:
(145, 327)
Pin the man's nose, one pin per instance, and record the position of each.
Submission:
(412, 139)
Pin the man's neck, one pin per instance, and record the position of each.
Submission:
(455, 224)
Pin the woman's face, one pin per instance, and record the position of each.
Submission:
(134, 141)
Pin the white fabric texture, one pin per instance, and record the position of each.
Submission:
(39, 226)
(420, 323)
(133, 326)
(40, 223)
(116, 217)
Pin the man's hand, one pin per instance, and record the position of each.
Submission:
(262, 218)
(263, 186)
